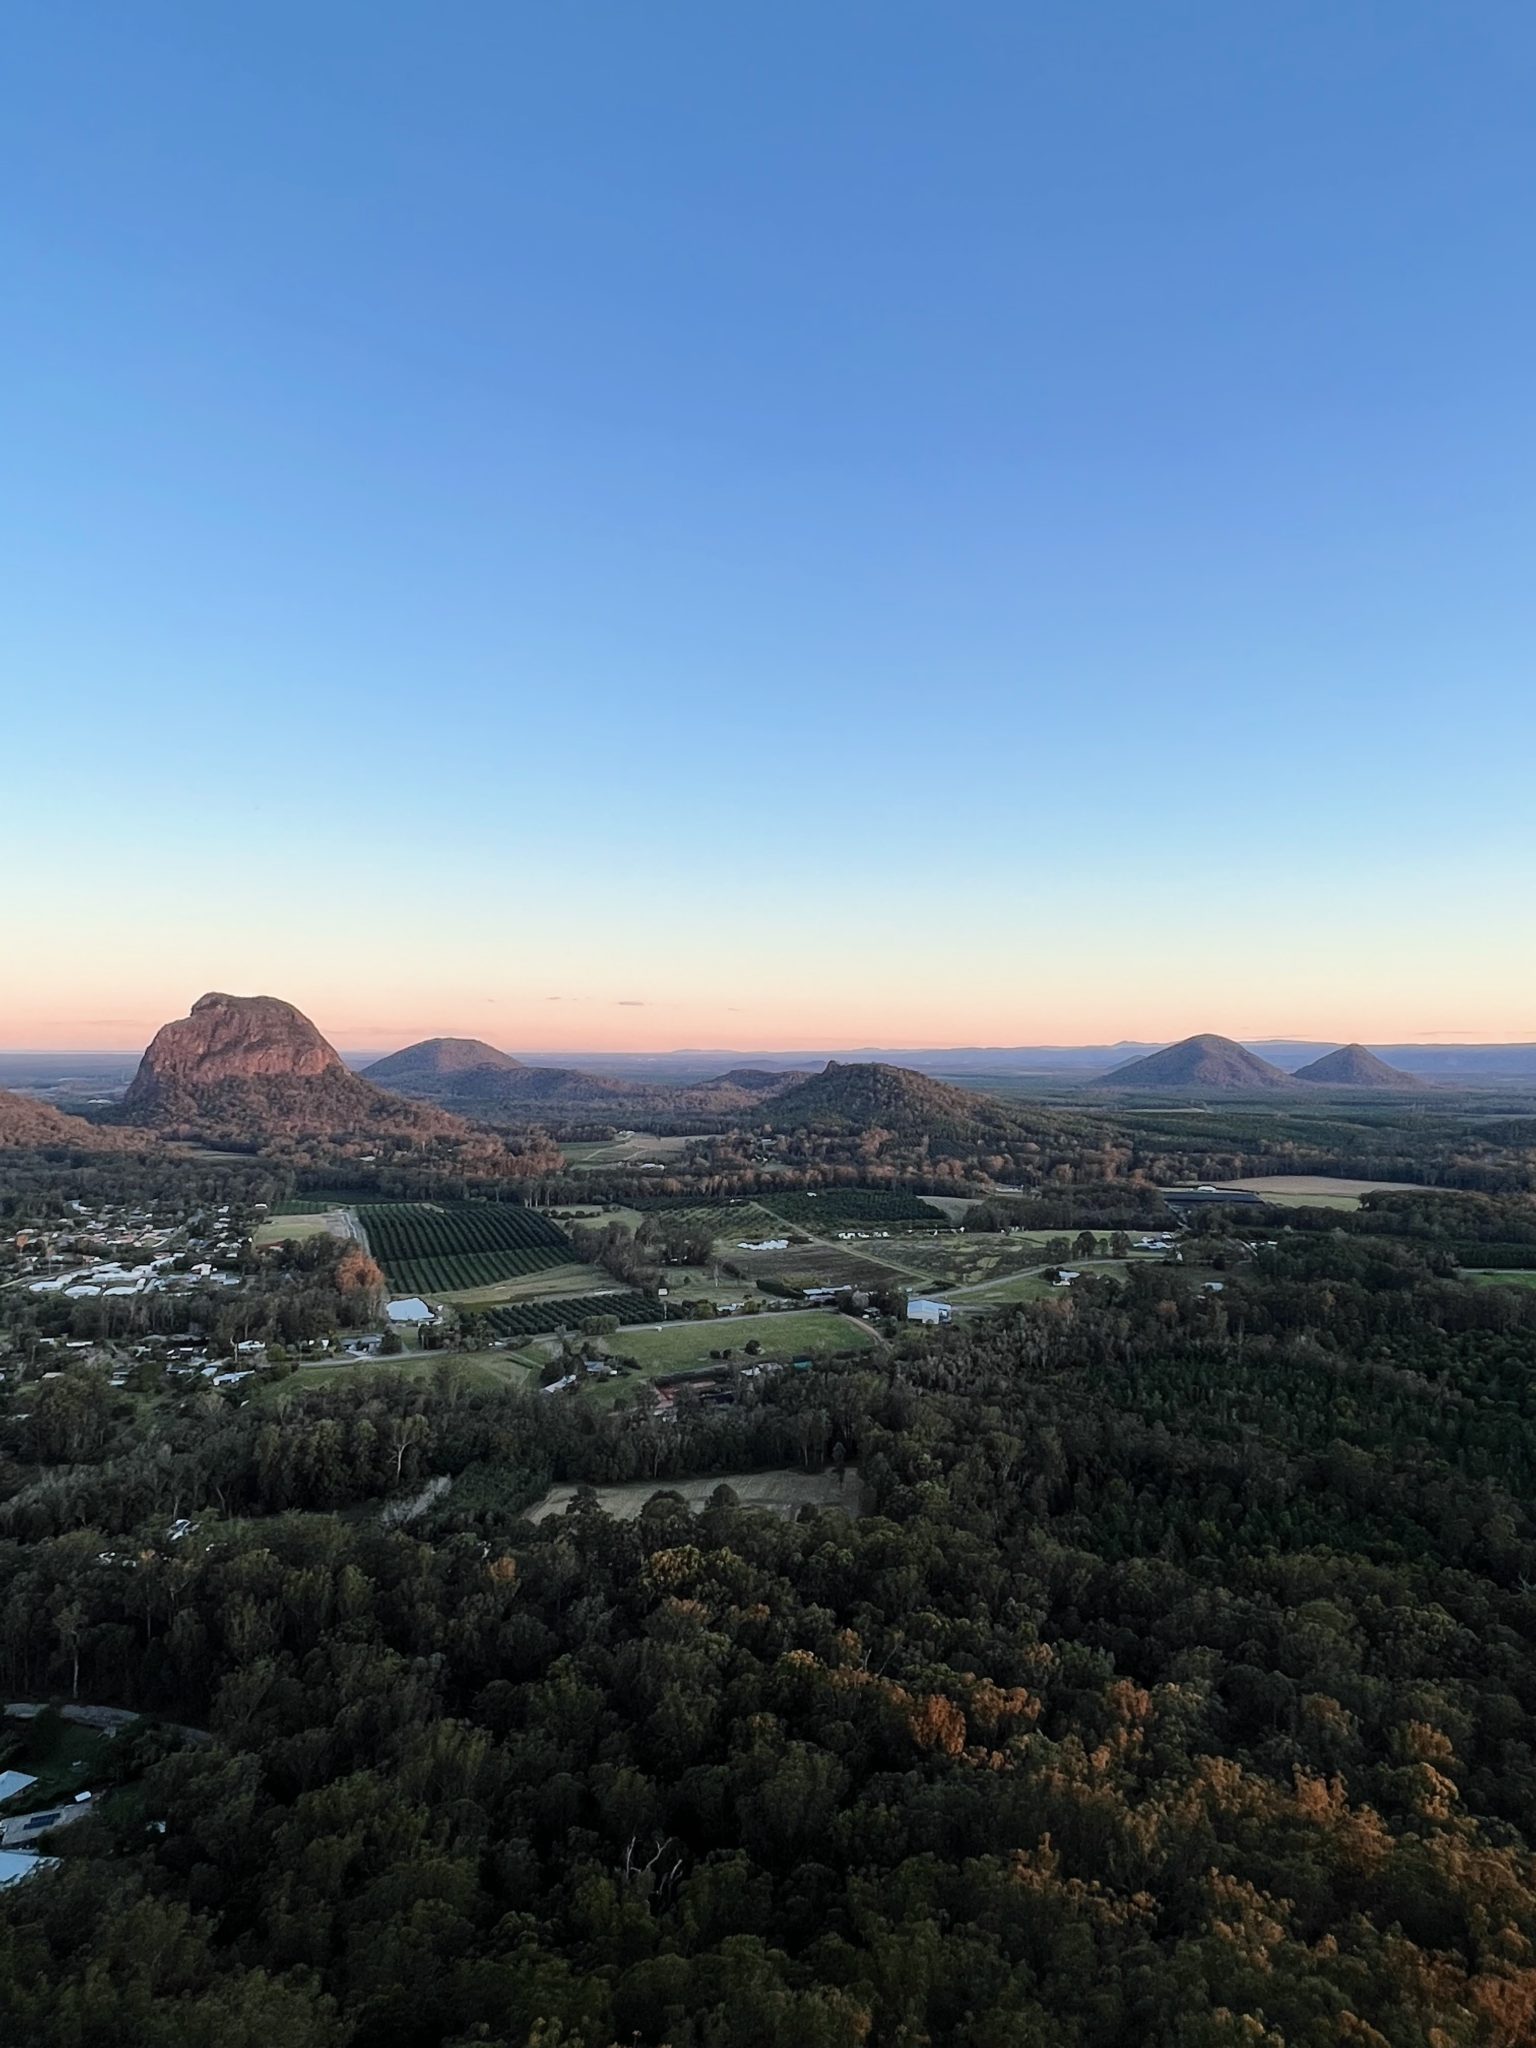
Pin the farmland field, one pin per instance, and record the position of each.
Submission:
(477, 1369)
(542, 1285)
(438, 1247)
(821, 1265)
(729, 1221)
(537, 1318)
(846, 1208)
(1318, 1190)
(788, 1334)
(633, 1150)
(291, 1224)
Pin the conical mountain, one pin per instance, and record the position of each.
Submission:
(863, 1096)
(1205, 1061)
(435, 1060)
(1355, 1066)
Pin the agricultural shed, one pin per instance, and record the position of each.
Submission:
(922, 1311)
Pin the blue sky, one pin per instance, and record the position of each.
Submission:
(674, 524)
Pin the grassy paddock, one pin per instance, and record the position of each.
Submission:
(280, 1229)
(551, 1284)
(480, 1369)
(791, 1334)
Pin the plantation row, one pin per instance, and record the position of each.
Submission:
(729, 1220)
(834, 1208)
(419, 1230)
(451, 1270)
(539, 1318)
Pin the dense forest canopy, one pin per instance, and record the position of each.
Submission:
(1162, 1670)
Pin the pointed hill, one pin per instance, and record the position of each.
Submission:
(1206, 1061)
(1355, 1066)
(433, 1062)
(869, 1096)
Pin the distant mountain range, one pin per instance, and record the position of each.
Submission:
(477, 1079)
(247, 1070)
(1210, 1063)
(437, 1068)
(1470, 1064)
(1205, 1061)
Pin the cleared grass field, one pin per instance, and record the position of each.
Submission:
(1319, 1190)
(479, 1369)
(1514, 1276)
(778, 1493)
(788, 1335)
(282, 1229)
(728, 1221)
(630, 1151)
(999, 1293)
(551, 1283)
(828, 1265)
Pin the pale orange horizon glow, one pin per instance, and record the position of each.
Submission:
(637, 1026)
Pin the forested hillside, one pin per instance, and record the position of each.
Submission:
(1174, 1687)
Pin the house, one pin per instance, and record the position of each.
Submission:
(12, 1782)
(920, 1310)
(15, 1864)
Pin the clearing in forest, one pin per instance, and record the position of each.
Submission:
(783, 1492)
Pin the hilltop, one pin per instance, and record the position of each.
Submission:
(227, 1038)
(865, 1097)
(758, 1080)
(1204, 1061)
(1355, 1066)
(467, 1075)
(251, 1070)
(438, 1060)
(37, 1126)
